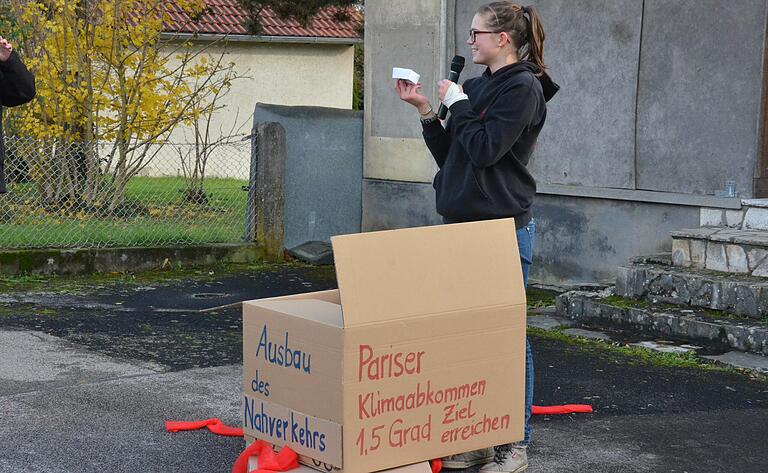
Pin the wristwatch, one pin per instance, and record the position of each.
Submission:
(429, 120)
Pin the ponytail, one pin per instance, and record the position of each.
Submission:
(527, 34)
(536, 38)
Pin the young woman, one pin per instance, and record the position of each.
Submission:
(483, 151)
(17, 86)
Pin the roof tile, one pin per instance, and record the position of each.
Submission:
(228, 17)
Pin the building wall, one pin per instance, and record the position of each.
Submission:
(656, 96)
(584, 240)
(277, 73)
(399, 33)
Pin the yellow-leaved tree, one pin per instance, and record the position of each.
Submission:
(111, 87)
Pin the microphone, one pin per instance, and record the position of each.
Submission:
(457, 65)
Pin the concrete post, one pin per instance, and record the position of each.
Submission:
(266, 195)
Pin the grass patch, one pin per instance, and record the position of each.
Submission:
(20, 280)
(625, 302)
(538, 298)
(64, 284)
(157, 215)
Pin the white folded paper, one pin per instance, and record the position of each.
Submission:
(406, 74)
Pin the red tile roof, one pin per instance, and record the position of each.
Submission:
(228, 17)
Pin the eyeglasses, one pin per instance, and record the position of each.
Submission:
(473, 34)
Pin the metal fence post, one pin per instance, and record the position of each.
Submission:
(250, 208)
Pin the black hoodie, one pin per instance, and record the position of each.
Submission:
(17, 86)
(483, 153)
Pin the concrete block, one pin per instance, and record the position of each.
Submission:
(623, 281)
(699, 232)
(661, 324)
(680, 291)
(759, 203)
(734, 218)
(661, 288)
(712, 217)
(639, 317)
(698, 254)
(716, 257)
(756, 256)
(695, 329)
(762, 300)
(562, 305)
(737, 338)
(737, 259)
(632, 281)
(741, 237)
(701, 291)
(575, 306)
(742, 360)
(761, 270)
(747, 299)
(756, 219)
(681, 252)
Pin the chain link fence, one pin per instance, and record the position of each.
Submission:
(91, 195)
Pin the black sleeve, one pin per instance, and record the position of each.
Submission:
(17, 84)
(438, 141)
(487, 141)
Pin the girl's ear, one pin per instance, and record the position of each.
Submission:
(504, 35)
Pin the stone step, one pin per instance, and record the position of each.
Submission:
(727, 250)
(753, 215)
(738, 294)
(692, 326)
(746, 361)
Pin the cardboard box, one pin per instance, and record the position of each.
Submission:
(419, 354)
(422, 467)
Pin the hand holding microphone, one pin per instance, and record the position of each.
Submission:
(450, 91)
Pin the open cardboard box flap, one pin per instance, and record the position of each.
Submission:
(391, 275)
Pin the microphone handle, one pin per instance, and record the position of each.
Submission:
(442, 111)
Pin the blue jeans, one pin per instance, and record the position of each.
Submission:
(526, 238)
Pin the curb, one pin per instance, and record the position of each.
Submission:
(548, 321)
(108, 260)
(587, 308)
